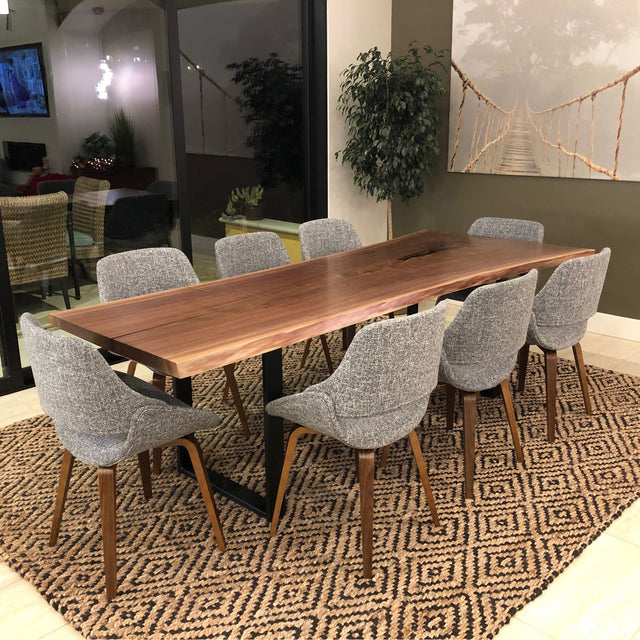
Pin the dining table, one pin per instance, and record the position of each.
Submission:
(187, 331)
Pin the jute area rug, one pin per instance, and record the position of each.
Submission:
(463, 580)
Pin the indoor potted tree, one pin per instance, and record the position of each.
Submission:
(392, 125)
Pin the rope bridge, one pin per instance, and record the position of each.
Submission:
(202, 76)
(519, 141)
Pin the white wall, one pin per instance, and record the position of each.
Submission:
(353, 26)
(30, 23)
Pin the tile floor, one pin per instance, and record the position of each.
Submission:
(595, 598)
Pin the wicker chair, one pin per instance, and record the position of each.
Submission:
(35, 238)
(88, 220)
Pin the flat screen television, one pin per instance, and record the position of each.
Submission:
(23, 83)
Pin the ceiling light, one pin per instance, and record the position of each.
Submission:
(4, 7)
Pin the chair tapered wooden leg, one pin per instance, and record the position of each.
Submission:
(305, 353)
(511, 416)
(284, 475)
(424, 476)
(366, 467)
(385, 456)
(61, 495)
(159, 381)
(450, 396)
(582, 373)
(237, 400)
(551, 375)
(195, 454)
(131, 369)
(469, 428)
(107, 491)
(523, 360)
(145, 472)
(327, 353)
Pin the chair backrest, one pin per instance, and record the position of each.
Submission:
(249, 252)
(509, 228)
(388, 365)
(141, 271)
(482, 342)
(53, 186)
(76, 386)
(326, 236)
(169, 189)
(570, 297)
(35, 229)
(142, 220)
(88, 212)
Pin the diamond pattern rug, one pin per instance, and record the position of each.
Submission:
(463, 580)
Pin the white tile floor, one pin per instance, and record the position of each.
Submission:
(595, 598)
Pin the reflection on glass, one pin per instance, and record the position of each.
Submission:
(243, 103)
(108, 145)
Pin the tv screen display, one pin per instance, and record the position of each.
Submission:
(23, 87)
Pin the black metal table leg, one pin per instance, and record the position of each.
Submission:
(273, 443)
(411, 309)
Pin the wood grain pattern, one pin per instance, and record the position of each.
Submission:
(193, 329)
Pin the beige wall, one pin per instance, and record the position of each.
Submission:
(574, 211)
(352, 26)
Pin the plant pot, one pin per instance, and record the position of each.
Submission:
(254, 213)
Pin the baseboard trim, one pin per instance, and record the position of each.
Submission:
(604, 324)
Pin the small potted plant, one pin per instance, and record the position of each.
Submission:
(245, 201)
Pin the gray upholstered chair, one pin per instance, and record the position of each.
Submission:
(366, 405)
(101, 418)
(249, 252)
(507, 228)
(246, 253)
(142, 271)
(319, 238)
(479, 352)
(559, 321)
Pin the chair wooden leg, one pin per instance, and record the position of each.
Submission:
(582, 373)
(511, 416)
(305, 353)
(145, 472)
(159, 381)
(523, 360)
(131, 369)
(551, 375)
(327, 353)
(237, 400)
(385, 456)
(61, 495)
(424, 476)
(107, 491)
(366, 467)
(284, 475)
(450, 395)
(469, 428)
(195, 454)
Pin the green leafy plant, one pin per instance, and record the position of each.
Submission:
(122, 132)
(389, 106)
(243, 200)
(272, 102)
(97, 145)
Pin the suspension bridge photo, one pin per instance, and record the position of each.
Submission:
(539, 104)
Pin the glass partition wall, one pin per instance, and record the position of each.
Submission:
(158, 115)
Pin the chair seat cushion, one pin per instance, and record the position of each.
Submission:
(315, 410)
(159, 418)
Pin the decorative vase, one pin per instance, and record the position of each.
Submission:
(254, 213)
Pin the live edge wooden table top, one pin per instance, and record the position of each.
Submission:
(201, 327)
